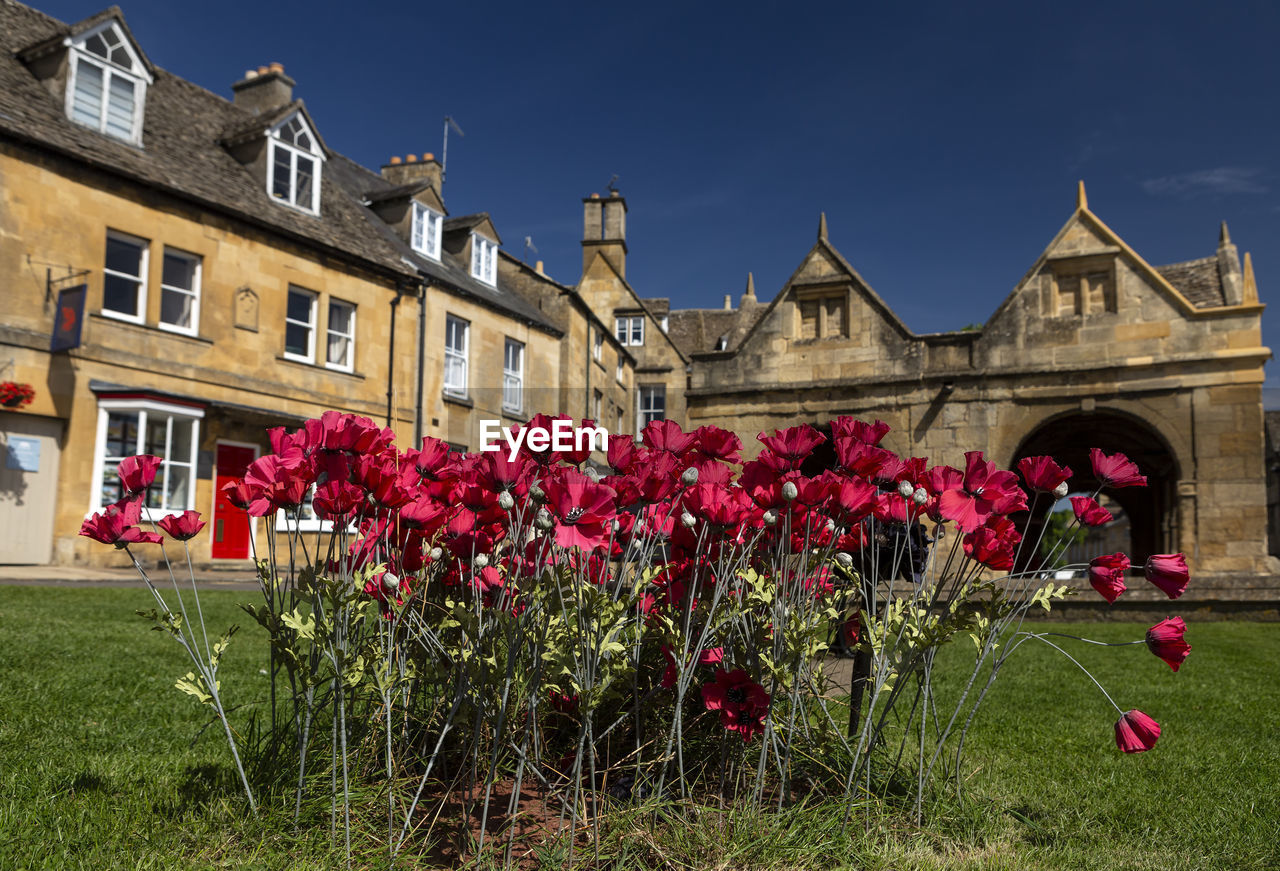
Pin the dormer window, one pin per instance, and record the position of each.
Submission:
(106, 83)
(293, 165)
(484, 260)
(425, 236)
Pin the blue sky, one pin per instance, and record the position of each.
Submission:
(943, 140)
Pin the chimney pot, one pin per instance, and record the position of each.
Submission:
(427, 157)
(250, 74)
(728, 302)
(614, 194)
(276, 67)
(411, 158)
(262, 70)
(595, 196)
(395, 160)
(537, 267)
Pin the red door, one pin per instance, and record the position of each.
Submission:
(230, 524)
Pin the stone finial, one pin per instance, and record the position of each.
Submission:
(750, 292)
(728, 302)
(822, 226)
(1250, 285)
(1224, 235)
(1082, 199)
(1229, 268)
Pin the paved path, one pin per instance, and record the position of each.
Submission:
(238, 578)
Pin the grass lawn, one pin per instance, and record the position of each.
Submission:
(101, 766)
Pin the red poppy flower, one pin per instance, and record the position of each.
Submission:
(666, 435)
(622, 453)
(1165, 640)
(137, 473)
(1089, 512)
(433, 460)
(116, 525)
(985, 490)
(848, 429)
(583, 509)
(276, 482)
(851, 499)
(1042, 473)
(794, 444)
(336, 499)
(719, 444)
(182, 527)
(1168, 571)
(1136, 732)
(723, 507)
(743, 704)
(1106, 574)
(1116, 470)
(984, 545)
(862, 459)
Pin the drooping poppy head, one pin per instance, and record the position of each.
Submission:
(1169, 572)
(1165, 640)
(1136, 732)
(1116, 470)
(1106, 574)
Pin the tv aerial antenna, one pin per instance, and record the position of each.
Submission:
(444, 158)
(528, 246)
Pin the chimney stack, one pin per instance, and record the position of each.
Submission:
(1229, 268)
(408, 169)
(604, 229)
(263, 89)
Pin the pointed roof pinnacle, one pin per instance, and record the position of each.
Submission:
(822, 226)
(1082, 200)
(1224, 235)
(1250, 284)
(750, 292)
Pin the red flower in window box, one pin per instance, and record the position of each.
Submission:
(15, 395)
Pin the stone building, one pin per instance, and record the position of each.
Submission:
(237, 274)
(1093, 347)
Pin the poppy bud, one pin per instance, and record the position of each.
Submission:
(390, 582)
(920, 497)
(481, 561)
(1061, 490)
(690, 476)
(536, 493)
(505, 502)
(831, 525)
(543, 521)
(789, 491)
(687, 520)
(770, 517)
(436, 553)
(593, 474)
(905, 490)
(615, 526)
(844, 559)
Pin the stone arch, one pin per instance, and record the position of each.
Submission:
(1153, 510)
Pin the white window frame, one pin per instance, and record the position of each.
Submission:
(425, 233)
(136, 74)
(629, 329)
(484, 260)
(144, 408)
(275, 142)
(456, 355)
(310, 356)
(597, 406)
(350, 336)
(597, 346)
(513, 376)
(307, 520)
(649, 411)
(193, 291)
(144, 263)
(621, 374)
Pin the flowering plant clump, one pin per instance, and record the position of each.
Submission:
(15, 395)
(656, 628)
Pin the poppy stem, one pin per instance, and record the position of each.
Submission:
(1041, 637)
